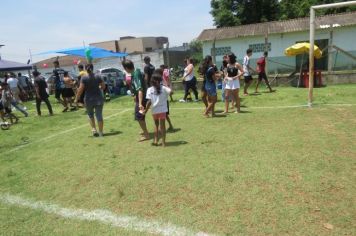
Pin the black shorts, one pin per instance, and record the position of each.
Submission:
(248, 78)
(138, 115)
(67, 93)
(1, 106)
(262, 75)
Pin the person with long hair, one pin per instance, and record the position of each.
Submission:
(165, 82)
(232, 76)
(157, 97)
(210, 72)
(93, 85)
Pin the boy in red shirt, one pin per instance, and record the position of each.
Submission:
(261, 65)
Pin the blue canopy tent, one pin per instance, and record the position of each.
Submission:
(84, 51)
(13, 66)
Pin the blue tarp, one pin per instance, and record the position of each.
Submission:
(13, 66)
(80, 51)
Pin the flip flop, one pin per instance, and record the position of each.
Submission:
(143, 138)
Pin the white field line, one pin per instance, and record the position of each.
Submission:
(59, 133)
(131, 223)
(265, 107)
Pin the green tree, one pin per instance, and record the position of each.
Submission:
(196, 49)
(240, 12)
(290, 9)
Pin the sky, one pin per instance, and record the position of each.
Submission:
(39, 25)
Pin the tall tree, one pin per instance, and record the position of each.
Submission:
(241, 12)
(290, 9)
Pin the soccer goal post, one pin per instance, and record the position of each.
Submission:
(311, 40)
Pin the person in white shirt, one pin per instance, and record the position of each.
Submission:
(157, 96)
(190, 80)
(247, 70)
(14, 86)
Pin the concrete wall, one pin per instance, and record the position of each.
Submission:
(343, 37)
(151, 42)
(108, 45)
(131, 45)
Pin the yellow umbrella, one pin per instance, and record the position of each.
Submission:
(301, 48)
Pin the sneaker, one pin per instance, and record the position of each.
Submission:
(65, 109)
(196, 100)
(182, 100)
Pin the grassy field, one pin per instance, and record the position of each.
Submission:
(272, 170)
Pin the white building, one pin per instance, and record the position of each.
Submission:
(338, 30)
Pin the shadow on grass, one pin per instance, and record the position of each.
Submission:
(244, 112)
(254, 94)
(273, 91)
(112, 133)
(176, 143)
(175, 130)
(219, 116)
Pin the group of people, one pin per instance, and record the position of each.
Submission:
(10, 90)
(151, 89)
(231, 72)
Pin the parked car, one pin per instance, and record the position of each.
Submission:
(114, 79)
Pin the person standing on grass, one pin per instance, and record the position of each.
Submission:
(232, 76)
(210, 75)
(157, 96)
(93, 85)
(138, 87)
(41, 93)
(58, 74)
(166, 81)
(166, 84)
(67, 91)
(82, 73)
(261, 69)
(204, 94)
(190, 80)
(148, 70)
(247, 70)
(223, 70)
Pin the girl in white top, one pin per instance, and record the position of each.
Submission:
(157, 96)
(190, 82)
(233, 73)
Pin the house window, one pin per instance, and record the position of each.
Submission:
(259, 47)
(221, 51)
(148, 49)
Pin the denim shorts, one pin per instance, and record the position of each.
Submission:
(210, 88)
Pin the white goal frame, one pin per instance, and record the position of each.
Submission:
(311, 40)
